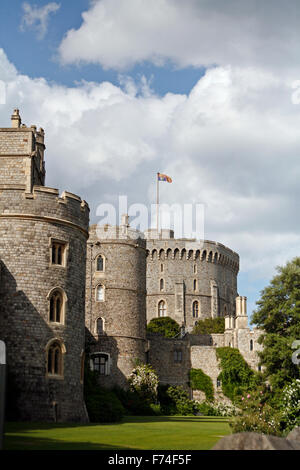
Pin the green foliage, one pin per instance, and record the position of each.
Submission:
(236, 375)
(216, 409)
(134, 404)
(209, 326)
(164, 326)
(278, 315)
(175, 401)
(144, 382)
(256, 414)
(265, 421)
(102, 405)
(291, 405)
(200, 381)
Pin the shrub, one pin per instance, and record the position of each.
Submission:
(134, 404)
(144, 381)
(257, 415)
(175, 400)
(164, 326)
(200, 381)
(265, 421)
(236, 375)
(216, 409)
(102, 405)
(209, 326)
(291, 405)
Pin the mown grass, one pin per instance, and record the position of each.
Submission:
(134, 432)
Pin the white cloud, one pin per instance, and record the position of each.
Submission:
(233, 144)
(37, 18)
(118, 34)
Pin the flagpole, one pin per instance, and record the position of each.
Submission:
(157, 202)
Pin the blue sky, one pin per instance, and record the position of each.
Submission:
(202, 91)
(21, 45)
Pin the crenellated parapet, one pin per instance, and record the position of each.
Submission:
(192, 250)
(45, 204)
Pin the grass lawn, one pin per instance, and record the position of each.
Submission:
(134, 432)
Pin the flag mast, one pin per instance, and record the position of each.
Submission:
(157, 202)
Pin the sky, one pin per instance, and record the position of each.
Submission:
(205, 91)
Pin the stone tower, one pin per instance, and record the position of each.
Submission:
(189, 280)
(42, 287)
(115, 301)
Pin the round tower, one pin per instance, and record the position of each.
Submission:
(42, 285)
(115, 301)
(189, 280)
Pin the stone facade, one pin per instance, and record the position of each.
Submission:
(180, 272)
(67, 290)
(32, 219)
(116, 323)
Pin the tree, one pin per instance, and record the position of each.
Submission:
(278, 315)
(209, 326)
(165, 326)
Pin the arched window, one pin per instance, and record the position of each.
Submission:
(100, 293)
(195, 284)
(196, 309)
(161, 284)
(100, 263)
(100, 363)
(162, 309)
(99, 326)
(251, 344)
(56, 307)
(55, 359)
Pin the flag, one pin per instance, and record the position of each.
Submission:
(162, 177)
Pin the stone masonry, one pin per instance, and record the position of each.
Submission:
(68, 292)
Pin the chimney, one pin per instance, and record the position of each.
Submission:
(125, 220)
(15, 119)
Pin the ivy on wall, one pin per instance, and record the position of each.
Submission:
(236, 375)
(200, 381)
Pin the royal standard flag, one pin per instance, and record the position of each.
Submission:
(162, 177)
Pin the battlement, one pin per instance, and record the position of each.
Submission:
(45, 203)
(192, 249)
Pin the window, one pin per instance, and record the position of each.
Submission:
(56, 307)
(161, 284)
(100, 363)
(100, 263)
(218, 383)
(100, 293)
(195, 269)
(178, 356)
(58, 253)
(100, 326)
(259, 368)
(161, 268)
(195, 309)
(251, 344)
(162, 308)
(195, 284)
(54, 359)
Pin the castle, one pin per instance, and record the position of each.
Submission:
(68, 290)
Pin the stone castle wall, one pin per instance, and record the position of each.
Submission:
(207, 272)
(123, 309)
(32, 218)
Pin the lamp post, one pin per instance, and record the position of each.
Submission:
(2, 389)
